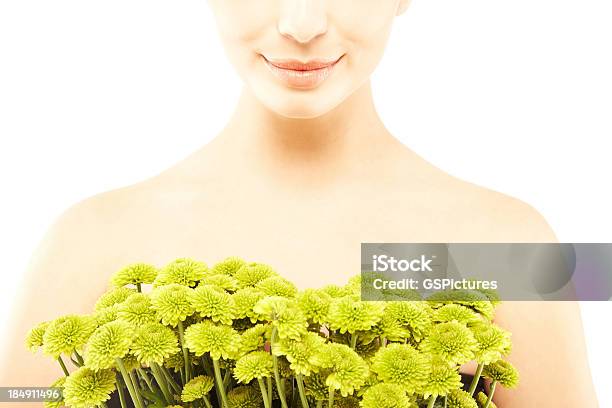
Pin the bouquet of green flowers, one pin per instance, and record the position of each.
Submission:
(239, 335)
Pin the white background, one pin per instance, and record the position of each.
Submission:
(514, 95)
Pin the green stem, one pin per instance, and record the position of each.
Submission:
(136, 386)
(219, 382)
(185, 352)
(445, 401)
(264, 393)
(161, 381)
(139, 287)
(353, 340)
(269, 382)
(320, 404)
(170, 380)
(432, 401)
(146, 378)
(330, 399)
(300, 384)
(207, 402)
(79, 358)
(120, 391)
(207, 366)
(475, 379)
(491, 392)
(61, 362)
(277, 378)
(227, 378)
(128, 383)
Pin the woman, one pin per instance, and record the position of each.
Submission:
(301, 175)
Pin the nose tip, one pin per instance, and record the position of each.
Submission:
(303, 20)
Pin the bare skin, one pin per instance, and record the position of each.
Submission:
(300, 195)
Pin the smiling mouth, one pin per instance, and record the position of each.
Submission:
(302, 75)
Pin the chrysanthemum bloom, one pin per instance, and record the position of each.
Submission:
(214, 303)
(481, 400)
(244, 301)
(34, 338)
(58, 403)
(182, 271)
(442, 378)
(459, 313)
(153, 343)
(348, 315)
(314, 304)
(460, 399)
(66, 334)
(284, 315)
(452, 341)
(218, 340)
(253, 273)
(107, 343)
(277, 286)
(315, 386)
(134, 274)
(113, 297)
(470, 298)
(348, 371)
(229, 266)
(386, 396)
(414, 316)
(224, 282)
(493, 342)
(255, 365)
(137, 310)
(300, 353)
(197, 388)
(86, 388)
(244, 397)
(129, 361)
(337, 292)
(106, 315)
(502, 372)
(253, 338)
(389, 328)
(403, 365)
(175, 361)
(172, 303)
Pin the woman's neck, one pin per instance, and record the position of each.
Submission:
(324, 149)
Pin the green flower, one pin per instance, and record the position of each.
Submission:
(386, 396)
(314, 304)
(197, 388)
(348, 371)
(284, 315)
(470, 298)
(34, 338)
(336, 291)
(403, 365)
(106, 315)
(442, 378)
(137, 310)
(134, 274)
(493, 342)
(224, 282)
(301, 353)
(213, 302)
(315, 387)
(113, 297)
(347, 315)
(459, 313)
(244, 302)
(66, 334)
(277, 286)
(182, 271)
(452, 341)
(257, 364)
(253, 338)
(207, 337)
(244, 397)
(415, 316)
(130, 362)
(107, 343)
(253, 273)
(229, 266)
(460, 399)
(503, 372)
(172, 303)
(59, 403)
(86, 388)
(482, 398)
(175, 361)
(154, 342)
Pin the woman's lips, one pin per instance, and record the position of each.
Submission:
(301, 75)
